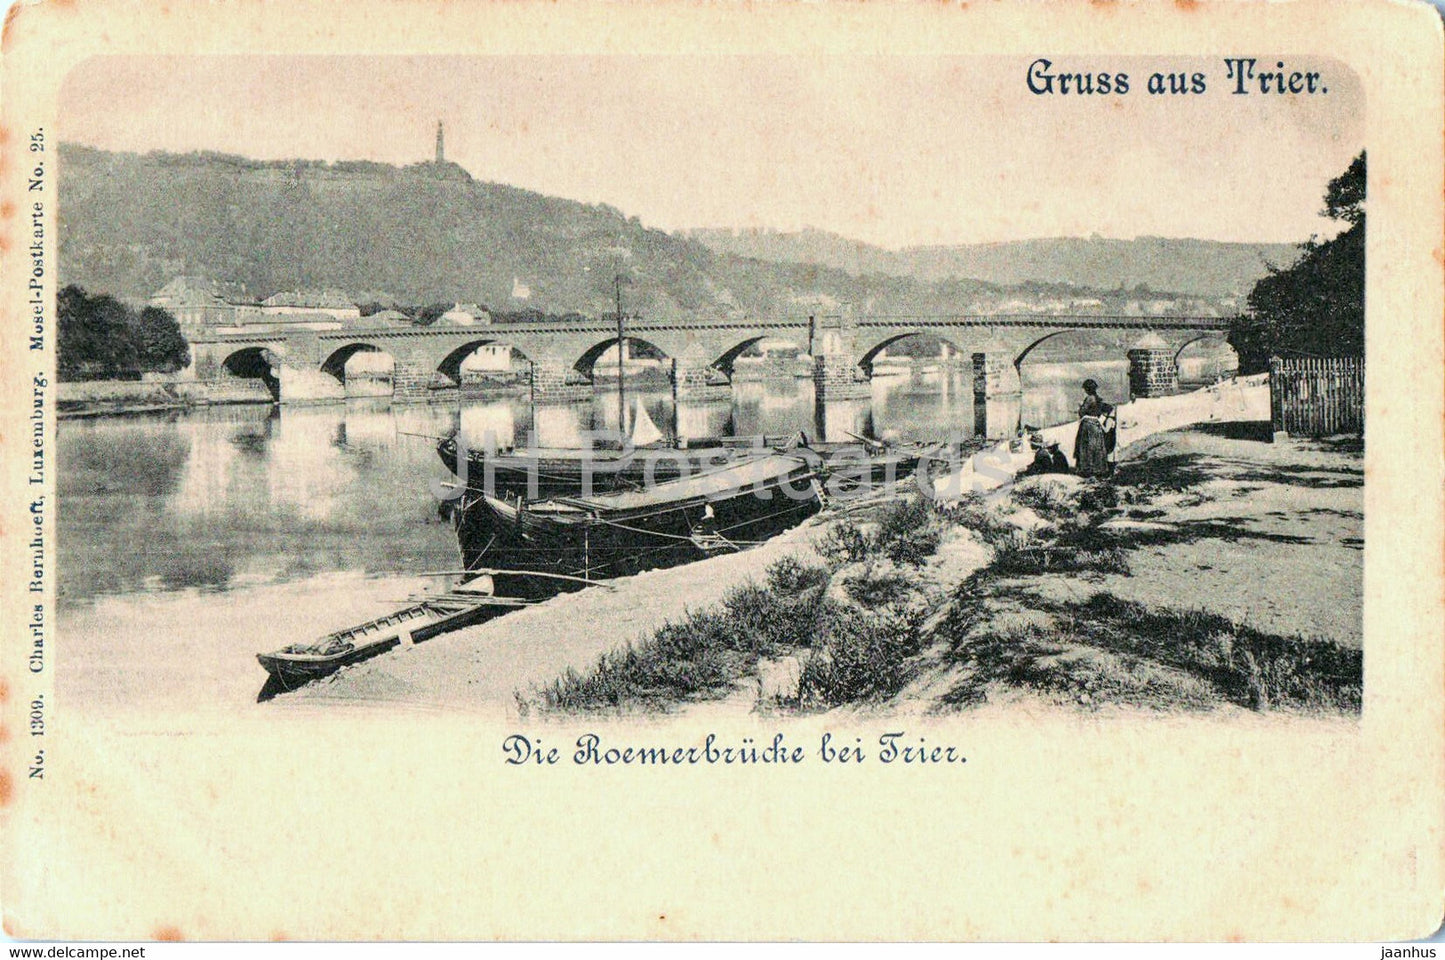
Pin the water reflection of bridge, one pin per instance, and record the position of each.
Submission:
(309, 366)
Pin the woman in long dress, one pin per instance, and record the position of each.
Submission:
(1091, 446)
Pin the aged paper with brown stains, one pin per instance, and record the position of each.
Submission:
(678, 471)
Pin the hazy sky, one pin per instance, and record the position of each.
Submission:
(891, 150)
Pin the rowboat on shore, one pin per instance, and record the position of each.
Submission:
(426, 617)
(616, 534)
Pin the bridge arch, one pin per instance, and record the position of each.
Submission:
(1023, 354)
(1195, 368)
(450, 366)
(586, 364)
(1220, 337)
(729, 357)
(1050, 382)
(335, 364)
(866, 360)
(727, 360)
(253, 363)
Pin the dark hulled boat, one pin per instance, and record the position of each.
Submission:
(542, 472)
(610, 535)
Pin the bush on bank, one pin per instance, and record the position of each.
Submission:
(100, 338)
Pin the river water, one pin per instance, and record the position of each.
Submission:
(190, 540)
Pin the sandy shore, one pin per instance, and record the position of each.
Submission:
(1238, 400)
(1271, 534)
(482, 667)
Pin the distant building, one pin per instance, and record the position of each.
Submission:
(202, 302)
(312, 303)
(441, 153)
(489, 358)
(466, 315)
(388, 318)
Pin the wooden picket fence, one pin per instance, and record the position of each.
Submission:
(1317, 396)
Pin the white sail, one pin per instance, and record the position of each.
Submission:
(644, 431)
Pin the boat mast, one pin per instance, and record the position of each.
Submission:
(621, 396)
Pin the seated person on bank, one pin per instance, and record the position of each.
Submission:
(1048, 458)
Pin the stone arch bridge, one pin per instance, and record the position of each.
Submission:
(308, 365)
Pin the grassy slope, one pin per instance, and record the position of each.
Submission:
(1095, 594)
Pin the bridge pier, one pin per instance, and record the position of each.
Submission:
(409, 379)
(839, 421)
(303, 383)
(550, 384)
(1153, 371)
(694, 378)
(836, 374)
(997, 395)
(415, 379)
(836, 377)
(946, 356)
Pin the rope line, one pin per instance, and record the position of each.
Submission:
(674, 536)
(668, 536)
(592, 565)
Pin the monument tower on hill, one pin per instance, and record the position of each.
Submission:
(441, 155)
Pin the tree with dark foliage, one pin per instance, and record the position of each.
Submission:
(163, 348)
(1316, 307)
(101, 338)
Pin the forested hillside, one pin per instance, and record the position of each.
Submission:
(1187, 266)
(430, 233)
